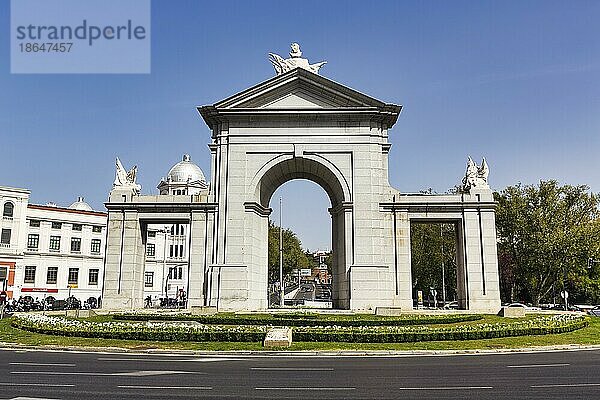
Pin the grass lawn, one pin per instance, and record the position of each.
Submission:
(586, 336)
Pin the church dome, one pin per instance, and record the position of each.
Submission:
(81, 205)
(185, 171)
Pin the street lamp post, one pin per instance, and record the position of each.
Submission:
(281, 288)
(443, 269)
(564, 293)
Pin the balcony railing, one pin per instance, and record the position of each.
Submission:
(4, 245)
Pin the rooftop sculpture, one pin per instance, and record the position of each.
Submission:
(126, 179)
(282, 65)
(476, 177)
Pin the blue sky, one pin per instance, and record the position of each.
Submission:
(515, 81)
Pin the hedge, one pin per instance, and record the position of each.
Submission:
(298, 320)
(60, 326)
(536, 326)
(384, 334)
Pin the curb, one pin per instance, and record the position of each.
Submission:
(307, 353)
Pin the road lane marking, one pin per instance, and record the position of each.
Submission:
(165, 387)
(32, 398)
(446, 388)
(305, 388)
(150, 373)
(42, 364)
(35, 384)
(289, 369)
(566, 385)
(167, 360)
(128, 373)
(538, 365)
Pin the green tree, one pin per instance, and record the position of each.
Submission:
(293, 255)
(427, 241)
(546, 235)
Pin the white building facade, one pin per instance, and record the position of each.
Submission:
(49, 250)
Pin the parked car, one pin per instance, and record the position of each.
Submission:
(594, 312)
(452, 305)
(525, 306)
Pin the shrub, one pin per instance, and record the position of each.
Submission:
(162, 331)
(300, 320)
(542, 325)
(137, 331)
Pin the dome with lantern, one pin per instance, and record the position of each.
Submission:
(183, 178)
(80, 205)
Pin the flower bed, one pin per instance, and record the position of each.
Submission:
(163, 331)
(301, 320)
(542, 325)
(137, 331)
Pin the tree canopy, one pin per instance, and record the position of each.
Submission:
(293, 255)
(547, 233)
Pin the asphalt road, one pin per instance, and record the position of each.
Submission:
(72, 375)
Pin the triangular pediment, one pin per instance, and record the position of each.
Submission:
(299, 92)
(296, 99)
(299, 89)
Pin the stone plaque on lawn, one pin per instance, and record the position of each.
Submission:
(278, 337)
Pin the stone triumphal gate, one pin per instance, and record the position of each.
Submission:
(300, 125)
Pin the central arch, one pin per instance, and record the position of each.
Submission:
(281, 170)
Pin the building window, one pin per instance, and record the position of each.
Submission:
(54, 243)
(95, 248)
(34, 223)
(93, 277)
(52, 275)
(29, 274)
(33, 240)
(56, 225)
(75, 245)
(151, 234)
(177, 230)
(149, 279)
(176, 273)
(9, 209)
(171, 251)
(77, 227)
(73, 276)
(96, 229)
(5, 237)
(150, 249)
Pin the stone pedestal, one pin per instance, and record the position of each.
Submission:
(278, 337)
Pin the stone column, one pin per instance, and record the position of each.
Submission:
(403, 260)
(480, 255)
(342, 247)
(461, 273)
(124, 262)
(198, 257)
